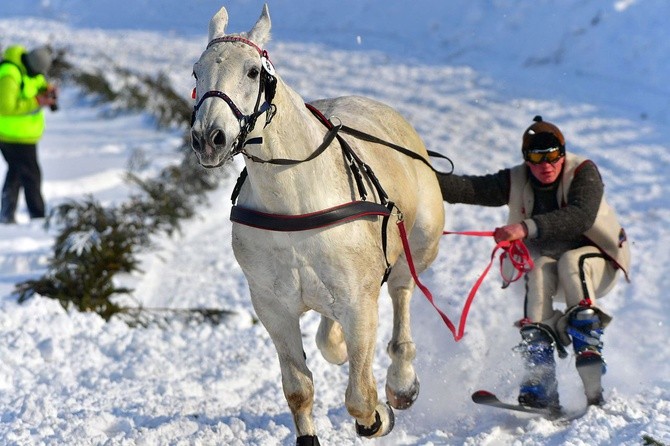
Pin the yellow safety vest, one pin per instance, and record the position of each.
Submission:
(20, 124)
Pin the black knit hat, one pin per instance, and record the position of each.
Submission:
(542, 135)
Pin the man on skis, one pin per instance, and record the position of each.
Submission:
(556, 205)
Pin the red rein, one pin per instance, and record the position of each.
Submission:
(515, 251)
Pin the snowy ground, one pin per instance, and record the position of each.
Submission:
(469, 75)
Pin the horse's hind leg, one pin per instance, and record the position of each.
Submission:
(402, 384)
(330, 340)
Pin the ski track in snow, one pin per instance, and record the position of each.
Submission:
(70, 378)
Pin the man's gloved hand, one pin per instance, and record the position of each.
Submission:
(511, 232)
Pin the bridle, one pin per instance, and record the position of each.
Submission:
(268, 85)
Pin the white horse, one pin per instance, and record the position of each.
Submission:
(295, 260)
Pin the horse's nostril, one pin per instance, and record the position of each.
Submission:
(195, 141)
(218, 138)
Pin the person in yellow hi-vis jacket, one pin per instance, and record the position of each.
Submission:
(24, 91)
(557, 206)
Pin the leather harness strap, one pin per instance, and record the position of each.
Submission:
(314, 220)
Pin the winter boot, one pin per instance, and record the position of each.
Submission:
(539, 387)
(8, 209)
(585, 328)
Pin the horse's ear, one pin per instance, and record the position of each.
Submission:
(260, 33)
(217, 26)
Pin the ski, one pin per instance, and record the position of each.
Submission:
(489, 399)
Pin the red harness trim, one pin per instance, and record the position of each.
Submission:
(516, 251)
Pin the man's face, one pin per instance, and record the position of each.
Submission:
(546, 172)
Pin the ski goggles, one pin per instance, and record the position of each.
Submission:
(550, 155)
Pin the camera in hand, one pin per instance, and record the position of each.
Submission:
(52, 95)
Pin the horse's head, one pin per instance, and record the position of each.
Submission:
(235, 84)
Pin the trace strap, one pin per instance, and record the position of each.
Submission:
(515, 251)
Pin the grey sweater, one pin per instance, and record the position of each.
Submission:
(560, 226)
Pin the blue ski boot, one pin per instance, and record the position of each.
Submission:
(539, 387)
(585, 329)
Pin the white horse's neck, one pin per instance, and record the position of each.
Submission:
(295, 133)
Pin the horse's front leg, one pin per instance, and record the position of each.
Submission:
(284, 329)
(402, 384)
(373, 418)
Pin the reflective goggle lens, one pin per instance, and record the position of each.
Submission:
(549, 156)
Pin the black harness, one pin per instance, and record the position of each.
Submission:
(353, 210)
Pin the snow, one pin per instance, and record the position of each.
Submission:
(470, 75)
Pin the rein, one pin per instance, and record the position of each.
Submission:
(371, 138)
(333, 132)
(515, 250)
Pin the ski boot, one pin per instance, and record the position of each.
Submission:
(539, 387)
(585, 329)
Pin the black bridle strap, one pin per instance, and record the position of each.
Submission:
(333, 130)
(327, 139)
(370, 138)
(221, 95)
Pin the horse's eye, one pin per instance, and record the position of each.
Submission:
(253, 73)
(195, 76)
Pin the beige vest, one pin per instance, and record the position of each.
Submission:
(606, 233)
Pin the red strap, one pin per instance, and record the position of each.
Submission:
(426, 291)
(515, 250)
(517, 253)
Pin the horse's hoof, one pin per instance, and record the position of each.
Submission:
(384, 422)
(307, 440)
(403, 399)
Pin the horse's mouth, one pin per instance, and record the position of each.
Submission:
(213, 166)
(210, 157)
(213, 161)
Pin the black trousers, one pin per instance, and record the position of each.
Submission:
(23, 170)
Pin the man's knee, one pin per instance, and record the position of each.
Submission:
(571, 263)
